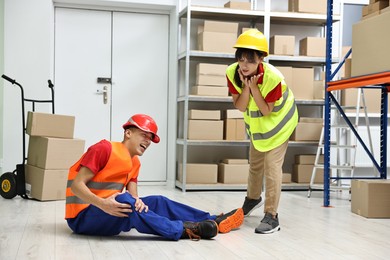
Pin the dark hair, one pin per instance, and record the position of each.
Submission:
(250, 55)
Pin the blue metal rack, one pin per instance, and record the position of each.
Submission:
(379, 81)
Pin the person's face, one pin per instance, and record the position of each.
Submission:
(249, 67)
(139, 141)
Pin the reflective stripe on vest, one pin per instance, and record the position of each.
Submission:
(114, 177)
(268, 132)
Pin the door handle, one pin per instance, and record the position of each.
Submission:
(103, 92)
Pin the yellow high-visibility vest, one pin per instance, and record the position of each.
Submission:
(268, 132)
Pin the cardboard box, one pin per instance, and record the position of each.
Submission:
(211, 69)
(368, 37)
(318, 120)
(204, 114)
(312, 46)
(211, 80)
(282, 45)
(377, 6)
(54, 153)
(308, 6)
(372, 98)
(348, 68)
(217, 42)
(43, 184)
(308, 159)
(218, 26)
(51, 125)
(288, 75)
(234, 129)
(302, 83)
(205, 129)
(199, 173)
(371, 198)
(302, 174)
(210, 91)
(235, 161)
(233, 113)
(307, 132)
(319, 89)
(233, 173)
(238, 5)
(286, 178)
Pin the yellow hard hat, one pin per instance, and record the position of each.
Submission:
(252, 39)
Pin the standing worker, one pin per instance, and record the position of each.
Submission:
(102, 194)
(270, 114)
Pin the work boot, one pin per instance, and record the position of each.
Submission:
(231, 220)
(250, 205)
(196, 230)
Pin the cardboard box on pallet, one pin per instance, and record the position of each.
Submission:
(371, 198)
(199, 173)
(370, 38)
(282, 45)
(44, 184)
(54, 153)
(51, 125)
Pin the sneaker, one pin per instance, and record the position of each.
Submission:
(197, 230)
(268, 224)
(231, 220)
(250, 205)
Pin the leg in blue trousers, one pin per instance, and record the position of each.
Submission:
(164, 218)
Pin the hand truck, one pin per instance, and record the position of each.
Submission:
(14, 183)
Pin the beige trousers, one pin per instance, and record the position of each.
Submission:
(266, 166)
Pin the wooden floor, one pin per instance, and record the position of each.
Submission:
(37, 230)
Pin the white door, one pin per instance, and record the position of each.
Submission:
(131, 49)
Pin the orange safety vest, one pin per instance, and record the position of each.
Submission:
(114, 177)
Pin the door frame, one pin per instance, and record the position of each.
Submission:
(169, 10)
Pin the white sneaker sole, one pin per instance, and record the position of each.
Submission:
(267, 231)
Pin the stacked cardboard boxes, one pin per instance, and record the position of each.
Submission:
(51, 151)
(303, 168)
(374, 8)
(210, 80)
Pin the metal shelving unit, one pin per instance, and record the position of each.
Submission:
(187, 55)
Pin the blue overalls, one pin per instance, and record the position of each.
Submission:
(164, 218)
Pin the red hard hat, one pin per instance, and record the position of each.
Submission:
(145, 123)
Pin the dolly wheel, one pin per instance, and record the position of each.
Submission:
(8, 185)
